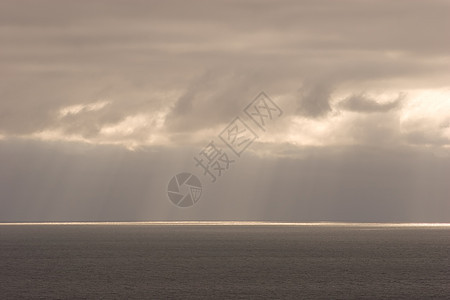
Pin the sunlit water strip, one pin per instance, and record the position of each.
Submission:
(232, 223)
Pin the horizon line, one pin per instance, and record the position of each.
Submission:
(235, 223)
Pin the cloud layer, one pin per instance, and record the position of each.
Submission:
(193, 66)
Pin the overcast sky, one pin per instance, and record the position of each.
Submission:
(102, 102)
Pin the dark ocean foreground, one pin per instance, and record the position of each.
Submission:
(221, 261)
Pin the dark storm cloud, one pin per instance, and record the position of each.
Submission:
(362, 103)
(212, 98)
(314, 99)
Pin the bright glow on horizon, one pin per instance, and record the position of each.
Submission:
(238, 223)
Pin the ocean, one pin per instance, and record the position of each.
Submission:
(224, 260)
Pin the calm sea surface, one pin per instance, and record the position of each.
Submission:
(161, 261)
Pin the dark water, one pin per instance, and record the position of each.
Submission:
(156, 262)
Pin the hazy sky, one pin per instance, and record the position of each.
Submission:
(102, 102)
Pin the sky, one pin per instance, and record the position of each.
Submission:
(103, 102)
